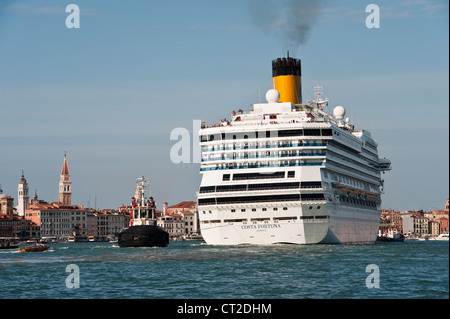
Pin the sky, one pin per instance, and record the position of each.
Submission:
(110, 92)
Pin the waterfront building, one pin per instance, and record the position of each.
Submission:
(173, 224)
(385, 222)
(13, 225)
(22, 196)
(65, 185)
(110, 223)
(189, 214)
(18, 226)
(433, 228)
(6, 226)
(408, 223)
(443, 225)
(92, 224)
(58, 220)
(6, 204)
(179, 220)
(391, 219)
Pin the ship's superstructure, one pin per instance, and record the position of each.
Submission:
(288, 172)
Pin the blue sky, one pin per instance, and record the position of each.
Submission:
(110, 92)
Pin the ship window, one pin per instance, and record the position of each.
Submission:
(275, 208)
(233, 210)
(287, 218)
(312, 196)
(291, 174)
(243, 210)
(285, 208)
(207, 189)
(226, 177)
(245, 176)
(286, 133)
(312, 132)
(255, 187)
(311, 185)
(264, 209)
(229, 188)
(207, 201)
(253, 209)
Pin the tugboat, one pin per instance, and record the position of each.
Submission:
(143, 230)
(392, 235)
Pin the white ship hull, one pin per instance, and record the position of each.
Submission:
(341, 225)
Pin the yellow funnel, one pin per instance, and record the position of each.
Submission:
(287, 80)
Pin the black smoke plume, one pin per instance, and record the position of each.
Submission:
(288, 20)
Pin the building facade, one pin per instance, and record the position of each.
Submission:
(59, 221)
(188, 212)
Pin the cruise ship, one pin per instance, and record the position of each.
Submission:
(289, 172)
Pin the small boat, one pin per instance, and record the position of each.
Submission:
(441, 237)
(9, 242)
(35, 248)
(392, 235)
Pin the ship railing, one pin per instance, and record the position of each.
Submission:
(261, 156)
(250, 147)
(225, 167)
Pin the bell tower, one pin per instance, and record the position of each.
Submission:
(65, 185)
(22, 196)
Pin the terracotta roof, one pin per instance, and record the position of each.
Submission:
(54, 205)
(185, 204)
